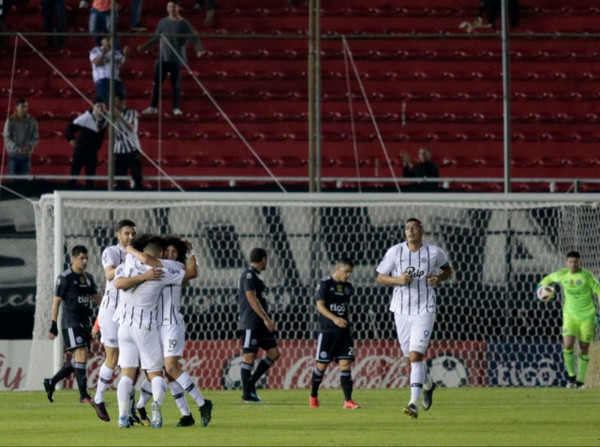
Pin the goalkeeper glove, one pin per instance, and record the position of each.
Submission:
(536, 289)
(54, 328)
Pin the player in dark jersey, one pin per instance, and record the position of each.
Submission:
(335, 339)
(258, 330)
(75, 289)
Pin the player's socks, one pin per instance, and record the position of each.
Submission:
(582, 366)
(317, 378)
(264, 364)
(346, 382)
(158, 389)
(246, 373)
(417, 376)
(186, 382)
(104, 379)
(428, 381)
(123, 394)
(62, 373)
(179, 396)
(81, 377)
(569, 358)
(145, 394)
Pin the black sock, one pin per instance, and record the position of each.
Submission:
(261, 368)
(81, 377)
(317, 378)
(62, 373)
(346, 381)
(246, 372)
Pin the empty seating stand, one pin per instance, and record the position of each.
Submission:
(442, 93)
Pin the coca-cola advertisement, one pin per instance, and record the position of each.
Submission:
(215, 364)
(14, 358)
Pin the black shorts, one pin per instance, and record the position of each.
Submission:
(334, 346)
(77, 337)
(253, 339)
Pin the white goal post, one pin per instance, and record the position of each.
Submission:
(490, 330)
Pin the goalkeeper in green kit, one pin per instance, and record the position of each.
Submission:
(579, 314)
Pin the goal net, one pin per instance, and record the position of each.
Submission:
(490, 330)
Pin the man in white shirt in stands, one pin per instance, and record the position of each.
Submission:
(414, 269)
(139, 336)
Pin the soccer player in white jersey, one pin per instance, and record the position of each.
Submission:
(139, 336)
(414, 269)
(112, 257)
(172, 332)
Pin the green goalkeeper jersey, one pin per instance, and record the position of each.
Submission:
(579, 289)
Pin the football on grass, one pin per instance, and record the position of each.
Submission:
(545, 293)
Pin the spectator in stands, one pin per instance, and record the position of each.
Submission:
(100, 17)
(210, 10)
(50, 10)
(135, 15)
(177, 32)
(20, 137)
(127, 144)
(100, 57)
(86, 135)
(424, 168)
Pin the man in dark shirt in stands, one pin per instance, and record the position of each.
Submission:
(258, 330)
(335, 339)
(75, 288)
(424, 168)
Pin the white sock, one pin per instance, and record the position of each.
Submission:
(123, 393)
(187, 384)
(104, 379)
(145, 394)
(158, 389)
(179, 396)
(417, 375)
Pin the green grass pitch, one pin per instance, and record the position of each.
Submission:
(459, 416)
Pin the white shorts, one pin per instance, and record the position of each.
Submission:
(108, 328)
(172, 338)
(140, 347)
(414, 331)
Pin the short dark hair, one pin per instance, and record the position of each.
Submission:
(124, 223)
(574, 254)
(78, 249)
(414, 219)
(98, 100)
(345, 261)
(21, 101)
(258, 254)
(155, 245)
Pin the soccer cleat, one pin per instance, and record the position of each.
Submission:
(144, 420)
(133, 416)
(571, 385)
(100, 410)
(150, 111)
(313, 402)
(49, 387)
(412, 411)
(580, 385)
(186, 421)
(156, 421)
(206, 412)
(253, 398)
(124, 422)
(350, 405)
(428, 397)
(177, 111)
(85, 399)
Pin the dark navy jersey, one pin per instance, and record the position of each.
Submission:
(76, 291)
(337, 299)
(250, 280)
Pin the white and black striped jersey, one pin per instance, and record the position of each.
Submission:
(127, 141)
(418, 296)
(139, 305)
(102, 71)
(111, 256)
(169, 304)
